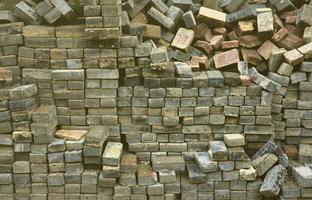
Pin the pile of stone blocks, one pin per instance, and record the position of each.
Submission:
(10, 39)
(22, 102)
(94, 145)
(111, 158)
(183, 119)
(103, 20)
(44, 124)
(174, 93)
(50, 11)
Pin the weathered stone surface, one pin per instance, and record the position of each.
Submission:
(183, 38)
(27, 13)
(7, 17)
(128, 163)
(167, 176)
(212, 16)
(204, 162)
(23, 92)
(304, 16)
(294, 57)
(273, 181)
(248, 174)
(189, 19)
(264, 163)
(75, 135)
(303, 175)
(265, 24)
(234, 140)
(263, 81)
(175, 163)
(305, 155)
(195, 175)
(218, 150)
(112, 154)
(96, 136)
(215, 79)
(290, 189)
(161, 18)
(68, 75)
(146, 175)
(306, 50)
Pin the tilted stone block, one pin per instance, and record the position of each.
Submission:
(218, 150)
(195, 175)
(183, 38)
(204, 162)
(212, 16)
(23, 92)
(112, 154)
(303, 175)
(264, 163)
(27, 13)
(273, 181)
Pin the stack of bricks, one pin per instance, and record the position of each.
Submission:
(10, 39)
(94, 145)
(6, 154)
(101, 86)
(103, 20)
(39, 170)
(44, 124)
(291, 105)
(132, 57)
(22, 102)
(34, 59)
(183, 119)
(48, 49)
(111, 158)
(68, 91)
(50, 11)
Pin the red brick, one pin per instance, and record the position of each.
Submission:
(251, 56)
(226, 58)
(230, 44)
(249, 41)
(266, 48)
(280, 34)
